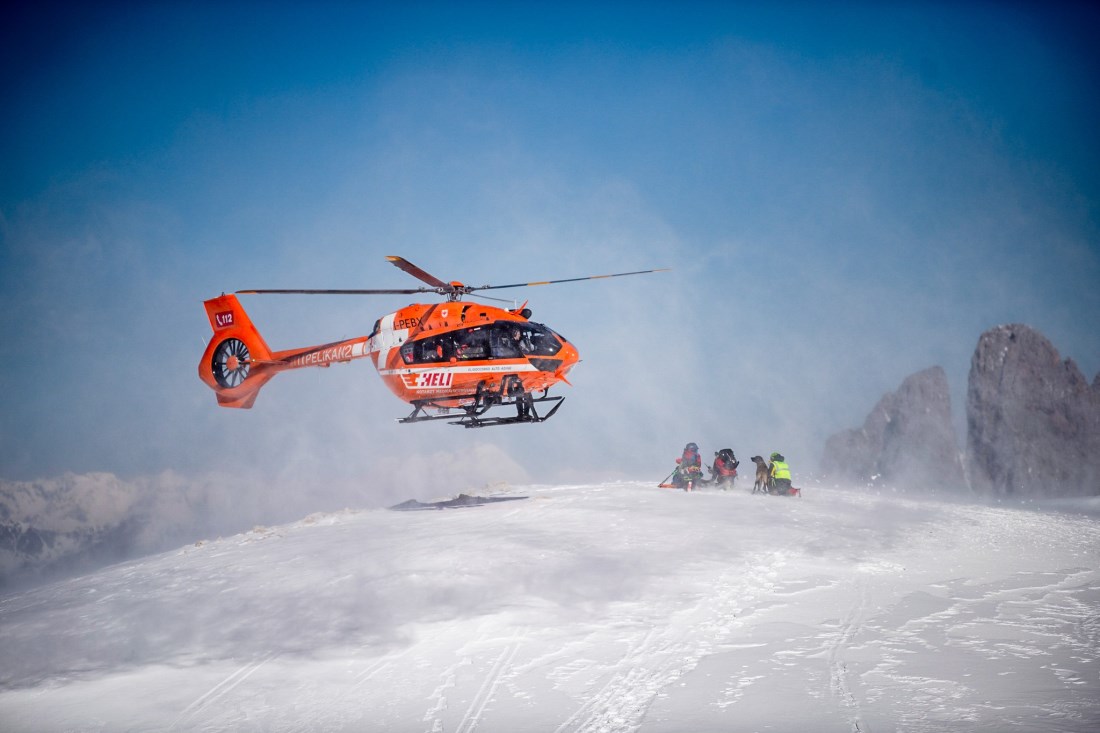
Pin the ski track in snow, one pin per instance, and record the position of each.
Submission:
(665, 653)
(219, 691)
(634, 610)
(839, 682)
(488, 688)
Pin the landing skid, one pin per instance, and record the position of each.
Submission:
(531, 417)
(481, 405)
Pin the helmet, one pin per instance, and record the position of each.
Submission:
(691, 446)
(774, 456)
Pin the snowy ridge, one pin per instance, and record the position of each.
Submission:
(614, 607)
(78, 522)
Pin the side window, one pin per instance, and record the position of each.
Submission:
(427, 351)
(506, 340)
(472, 343)
(430, 349)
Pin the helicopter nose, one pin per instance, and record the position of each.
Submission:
(569, 356)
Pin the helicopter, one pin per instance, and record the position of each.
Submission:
(449, 359)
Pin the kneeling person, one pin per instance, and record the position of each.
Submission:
(781, 475)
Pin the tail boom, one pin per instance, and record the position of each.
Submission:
(238, 362)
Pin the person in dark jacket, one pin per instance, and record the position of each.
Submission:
(690, 469)
(724, 471)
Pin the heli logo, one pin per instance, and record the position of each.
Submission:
(224, 319)
(434, 379)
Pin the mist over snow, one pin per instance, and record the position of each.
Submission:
(609, 607)
(75, 523)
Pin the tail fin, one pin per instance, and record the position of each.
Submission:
(234, 362)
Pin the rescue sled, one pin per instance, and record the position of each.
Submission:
(794, 491)
(696, 484)
(676, 481)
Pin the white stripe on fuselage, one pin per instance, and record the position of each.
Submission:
(464, 369)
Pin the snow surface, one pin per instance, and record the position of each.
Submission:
(613, 607)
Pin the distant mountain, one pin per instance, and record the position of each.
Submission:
(69, 523)
(907, 440)
(74, 523)
(1033, 420)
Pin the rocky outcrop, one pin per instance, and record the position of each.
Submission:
(907, 441)
(1033, 420)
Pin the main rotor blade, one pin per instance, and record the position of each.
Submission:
(438, 286)
(403, 264)
(569, 280)
(410, 291)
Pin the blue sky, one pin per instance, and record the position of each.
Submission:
(846, 196)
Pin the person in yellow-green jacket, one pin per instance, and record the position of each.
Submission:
(781, 475)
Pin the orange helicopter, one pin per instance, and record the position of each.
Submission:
(448, 360)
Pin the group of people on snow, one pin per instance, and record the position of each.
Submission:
(688, 474)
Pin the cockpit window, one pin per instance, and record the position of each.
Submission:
(535, 339)
(500, 340)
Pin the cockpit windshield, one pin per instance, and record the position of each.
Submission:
(514, 339)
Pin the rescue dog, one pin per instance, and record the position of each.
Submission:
(763, 483)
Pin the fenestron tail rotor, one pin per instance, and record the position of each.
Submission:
(453, 290)
(230, 363)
